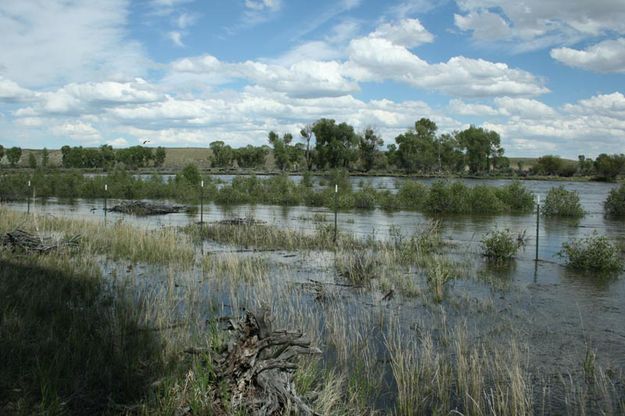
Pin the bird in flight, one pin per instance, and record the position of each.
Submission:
(146, 141)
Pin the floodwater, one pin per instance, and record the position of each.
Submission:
(557, 312)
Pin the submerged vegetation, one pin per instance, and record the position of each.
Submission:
(614, 205)
(501, 245)
(442, 197)
(562, 203)
(595, 253)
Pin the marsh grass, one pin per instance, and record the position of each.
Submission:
(439, 273)
(119, 240)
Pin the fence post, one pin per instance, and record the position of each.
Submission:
(537, 224)
(28, 194)
(336, 207)
(106, 189)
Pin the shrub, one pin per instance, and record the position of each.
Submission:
(516, 197)
(562, 203)
(412, 195)
(594, 253)
(484, 200)
(614, 205)
(500, 245)
(447, 197)
(364, 199)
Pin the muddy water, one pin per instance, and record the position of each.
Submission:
(558, 313)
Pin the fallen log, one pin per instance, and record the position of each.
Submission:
(23, 240)
(258, 365)
(147, 208)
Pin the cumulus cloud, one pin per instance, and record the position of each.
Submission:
(536, 24)
(407, 32)
(605, 56)
(373, 59)
(90, 97)
(78, 130)
(382, 55)
(10, 91)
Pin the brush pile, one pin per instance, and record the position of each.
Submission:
(258, 366)
(241, 221)
(25, 241)
(147, 208)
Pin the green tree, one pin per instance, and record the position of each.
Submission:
(450, 154)
(32, 160)
(1, 152)
(223, 155)
(190, 174)
(336, 144)
(280, 148)
(159, 156)
(548, 165)
(418, 148)
(45, 157)
(481, 148)
(14, 155)
(608, 167)
(585, 166)
(369, 147)
(308, 135)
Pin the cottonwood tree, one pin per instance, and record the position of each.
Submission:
(1, 152)
(481, 146)
(14, 155)
(369, 147)
(45, 157)
(223, 154)
(417, 148)
(336, 144)
(308, 135)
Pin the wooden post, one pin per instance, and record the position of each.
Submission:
(202, 202)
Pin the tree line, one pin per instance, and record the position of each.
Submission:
(327, 144)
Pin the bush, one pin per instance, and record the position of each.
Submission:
(595, 253)
(516, 197)
(448, 198)
(500, 245)
(614, 205)
(412, 195)
(484, 200)
(562, 203)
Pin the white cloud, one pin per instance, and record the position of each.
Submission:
(524, 107)
(118, 142)
(90, 97)
(59, 41)
(176, 38)
(407, 32)
(78, 130)
(373, 59)
(10, 91)
(605, 56)
(272, 5)
(459, 107)
(536, 24)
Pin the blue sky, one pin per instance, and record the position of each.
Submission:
(548, 76)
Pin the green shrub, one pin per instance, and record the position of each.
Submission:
(483, 200)
(516, 197)
(412, 195)
(445, 197)
(614, 205)
(562, 203)
(364, 199)
(595, 253)
(500, 245)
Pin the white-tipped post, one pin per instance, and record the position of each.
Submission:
(336, 207)
(537, 224)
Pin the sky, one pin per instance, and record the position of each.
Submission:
(547, 75)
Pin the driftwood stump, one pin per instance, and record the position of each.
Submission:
(23, 240)
(258, 367)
